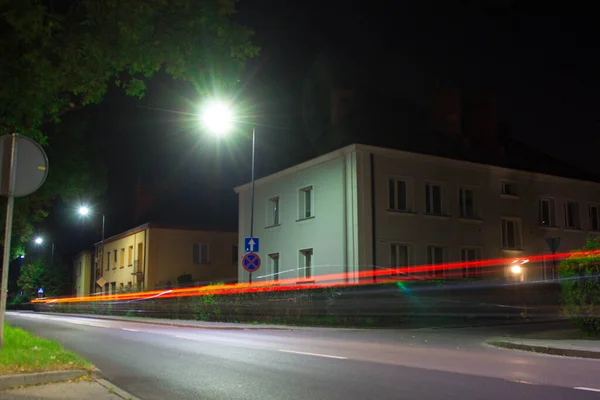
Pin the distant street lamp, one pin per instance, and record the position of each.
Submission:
(85, 211)
(218, 118)
(39, 241)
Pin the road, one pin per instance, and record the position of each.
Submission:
(162, 362)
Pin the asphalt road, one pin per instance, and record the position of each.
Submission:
(161, 362)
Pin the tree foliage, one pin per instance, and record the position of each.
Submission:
(580, 281)
(54, 278)
(58, 56)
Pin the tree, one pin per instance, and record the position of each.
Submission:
(580, 282)
(58, 56)
(54, 278)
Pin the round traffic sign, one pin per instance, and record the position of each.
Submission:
(251, 262)
(31, 165)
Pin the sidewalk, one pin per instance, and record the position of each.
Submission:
(93, 390)
(561, 347)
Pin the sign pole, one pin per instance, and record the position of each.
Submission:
(10, 205)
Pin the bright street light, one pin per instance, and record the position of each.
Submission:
(217, 118)
(516, 269)
(38, 240)
(84, 211)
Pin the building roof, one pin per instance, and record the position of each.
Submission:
(153, 225)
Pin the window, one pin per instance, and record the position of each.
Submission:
(234, 254)
(122, 261)
(115, 257)
(546, 212)
(113, 287)
(274, 261)
(469, 256)
(130, 256)
(399, 256)
(201, 253)
(108, 261)
(509, 189)
(273, 211)
(433, 199)
(435, 256)
(129, 285)
(466, 201)
(571, 214)
(397, 195)
(305, 270)
(511, 234)
(594, 218)
(305, 201)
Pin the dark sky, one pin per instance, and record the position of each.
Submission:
(542, 63)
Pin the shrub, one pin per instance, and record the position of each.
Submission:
(580, 282)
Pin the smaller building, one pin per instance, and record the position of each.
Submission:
(153, 256)
(82, 273)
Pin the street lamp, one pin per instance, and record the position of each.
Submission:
(85, 211)
(39, 240)
(218, 118)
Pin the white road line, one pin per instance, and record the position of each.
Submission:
(313, 354)
(587, 388)
(130, 330)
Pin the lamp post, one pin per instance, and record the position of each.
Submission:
(85, 211)
(218, 119)
(39, 241)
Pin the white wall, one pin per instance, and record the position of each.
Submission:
(332, 231)
(452, 232)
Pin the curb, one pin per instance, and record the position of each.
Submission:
(116, 390)
(41, 378)
(547, 350)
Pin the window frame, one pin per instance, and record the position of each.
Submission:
(302, 208)
(393, 265)
(274, 211)
(504, 184)
(199, 260)
(591, 227)
(462, 202)
(576, 214)
(517, 233)
(392, 194)
(436, 273)
(302, 267)
(428, 186)
(467, 273)
(551, 210)
(274, 259)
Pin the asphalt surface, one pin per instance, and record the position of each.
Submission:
(161, 362)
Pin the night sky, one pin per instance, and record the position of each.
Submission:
(542, 64)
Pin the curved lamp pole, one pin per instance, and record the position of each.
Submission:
(218, 119)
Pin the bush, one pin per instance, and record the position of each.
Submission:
(580, 282)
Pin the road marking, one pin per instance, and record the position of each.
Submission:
(130, 330)
(313, 354)
(587, 388)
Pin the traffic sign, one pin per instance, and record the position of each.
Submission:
(553, 243)
(251, 262)
(251, 245)
(101, 281)
(41, 291)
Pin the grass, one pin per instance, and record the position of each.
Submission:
(24, 352)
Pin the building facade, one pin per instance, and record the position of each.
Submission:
(82, 274)
(153, 257)
(364, 208)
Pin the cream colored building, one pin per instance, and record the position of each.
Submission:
(82, 273)
(153, 256)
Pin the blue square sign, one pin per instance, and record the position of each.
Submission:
(251, 245)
